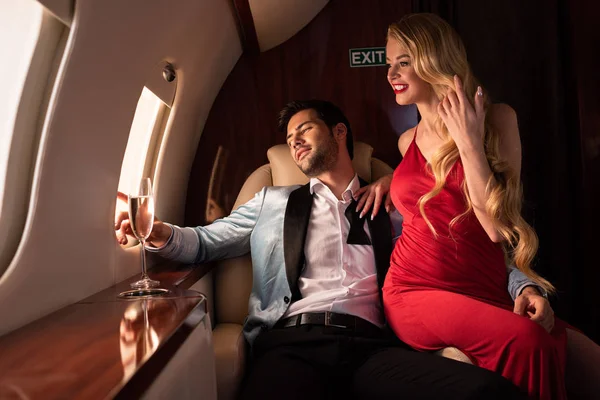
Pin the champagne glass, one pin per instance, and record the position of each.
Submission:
(141, 218)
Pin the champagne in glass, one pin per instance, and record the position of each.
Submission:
(141, 218)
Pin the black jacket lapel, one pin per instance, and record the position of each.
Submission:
(381, 237)
(297, 214)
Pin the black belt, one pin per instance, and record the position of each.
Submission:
(328, 318)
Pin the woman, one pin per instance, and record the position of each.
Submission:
(458, 189)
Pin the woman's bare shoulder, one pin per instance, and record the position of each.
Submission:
(502, 116)
(404, 140)
(503, 120)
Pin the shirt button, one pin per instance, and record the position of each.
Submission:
(286, 299)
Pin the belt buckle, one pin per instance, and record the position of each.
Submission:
(328, 315)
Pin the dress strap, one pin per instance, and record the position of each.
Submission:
(413, 143)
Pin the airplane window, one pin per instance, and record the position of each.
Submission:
(143, 145)
(32, 43)
(22, 20)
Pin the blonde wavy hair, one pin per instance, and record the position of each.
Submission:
(437, 54)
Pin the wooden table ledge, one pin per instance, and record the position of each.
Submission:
(103, 346)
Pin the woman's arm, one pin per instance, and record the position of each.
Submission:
(466, 126)
(477, 170)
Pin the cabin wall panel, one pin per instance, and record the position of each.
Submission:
(62, 9)
(312, 64)
(276, 21)
(68, 250)
(18, 150)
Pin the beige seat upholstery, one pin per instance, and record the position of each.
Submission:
(233, 277)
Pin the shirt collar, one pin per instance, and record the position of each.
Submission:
(347, 195)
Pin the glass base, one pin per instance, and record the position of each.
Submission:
(142, 293)
(145, 284)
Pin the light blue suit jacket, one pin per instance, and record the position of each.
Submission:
(272, 227)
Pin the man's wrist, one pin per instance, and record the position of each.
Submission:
(164, 235)
(531, 289)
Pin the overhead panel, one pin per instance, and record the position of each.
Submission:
(62, 9)
(276, 21)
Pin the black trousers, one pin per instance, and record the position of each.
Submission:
(318, 362)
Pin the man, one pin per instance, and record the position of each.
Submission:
(315, 320)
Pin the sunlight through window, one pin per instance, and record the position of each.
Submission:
(143, 144)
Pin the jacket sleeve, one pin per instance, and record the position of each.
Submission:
(226, 237)
(517, 281)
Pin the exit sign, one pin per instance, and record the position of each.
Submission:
(367, 57)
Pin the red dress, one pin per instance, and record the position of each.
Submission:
(452, 290)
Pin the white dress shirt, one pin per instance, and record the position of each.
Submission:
(337, 276)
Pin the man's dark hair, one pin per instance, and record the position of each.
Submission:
(326, 111)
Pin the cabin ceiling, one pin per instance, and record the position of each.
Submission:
(264, 23)
(276, 21)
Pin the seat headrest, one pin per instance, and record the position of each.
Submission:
(285, 172)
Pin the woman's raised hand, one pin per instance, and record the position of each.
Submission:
(465, 123)
(373, 195)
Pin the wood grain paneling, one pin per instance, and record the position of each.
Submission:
(312, 64)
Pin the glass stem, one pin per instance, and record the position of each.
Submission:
(144, 273)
